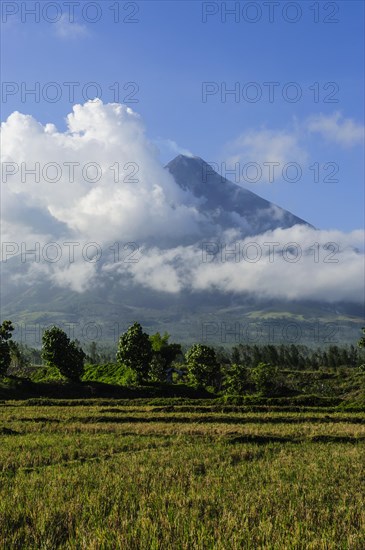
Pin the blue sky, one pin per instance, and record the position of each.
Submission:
(169, 52)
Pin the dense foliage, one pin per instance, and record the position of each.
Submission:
(203, 367)
(5, 335)
(135, 352)
(163, 355)
(58, 351)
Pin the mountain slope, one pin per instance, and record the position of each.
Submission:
(105, 309)
(226, 202)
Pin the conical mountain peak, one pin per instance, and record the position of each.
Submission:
(225, 200)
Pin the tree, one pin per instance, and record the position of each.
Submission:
(19, 360)
(135, 352)
(236, 379)
(203, 367)
(5, 356)
(58, 351)
(93, 356)
(163, 356)
(272, 354)
(235, 356)
(361, 342)
(265, 378)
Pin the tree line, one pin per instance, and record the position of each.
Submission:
(148, 358)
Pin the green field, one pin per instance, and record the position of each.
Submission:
(103, 474)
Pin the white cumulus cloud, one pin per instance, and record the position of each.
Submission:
(101, 182)
(66, 29)
(335, 127)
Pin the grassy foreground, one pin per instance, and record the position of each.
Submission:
(107, 475)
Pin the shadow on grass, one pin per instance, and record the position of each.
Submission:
(204, 419)
(262, 439)
(22, 388)
(267, 439)
(8, 431)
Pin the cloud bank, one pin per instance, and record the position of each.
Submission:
(100, 184)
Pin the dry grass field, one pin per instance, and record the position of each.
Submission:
(174, 477)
